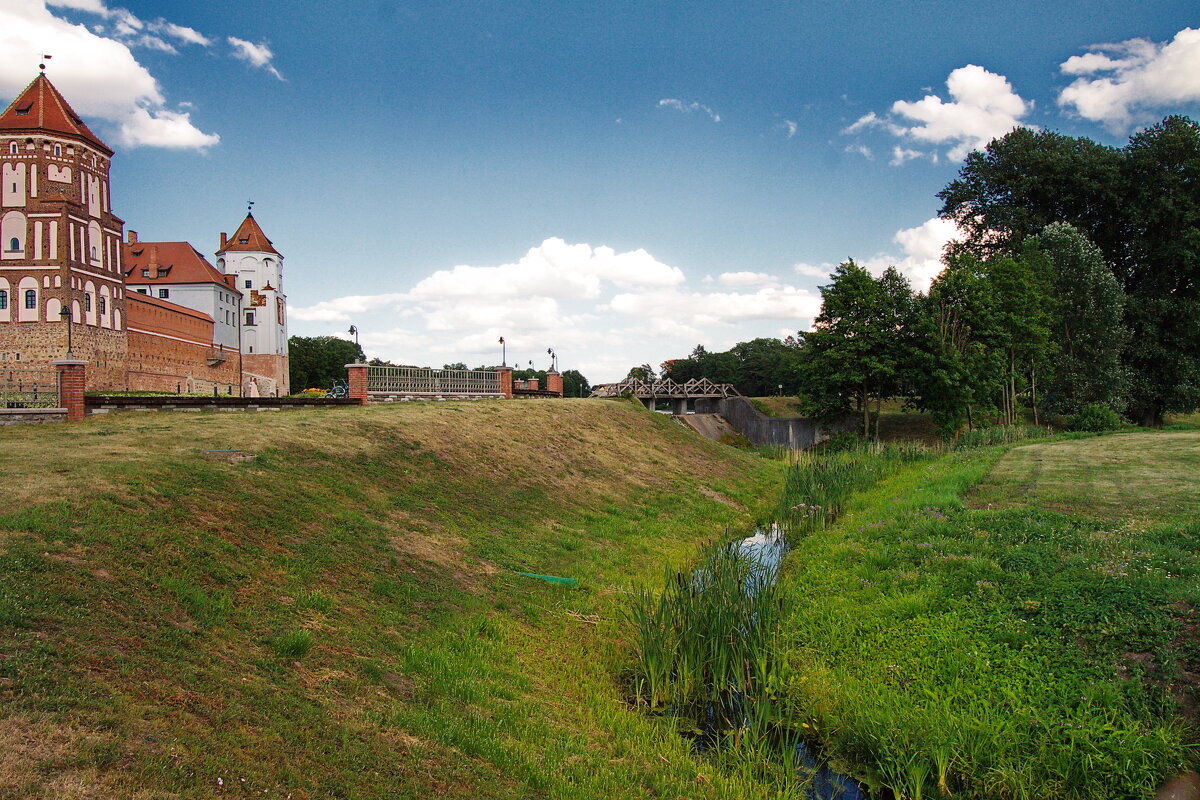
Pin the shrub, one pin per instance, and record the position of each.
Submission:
(1094, 418)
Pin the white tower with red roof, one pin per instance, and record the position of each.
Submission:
(257, 268)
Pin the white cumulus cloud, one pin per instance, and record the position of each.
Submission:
(922, 247)
(1120, 84)
(981, 106)
(746, 278)
(99, 75)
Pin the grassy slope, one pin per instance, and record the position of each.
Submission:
(341, 617)
(1012, 651)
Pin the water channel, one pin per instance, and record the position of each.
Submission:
(764, 551)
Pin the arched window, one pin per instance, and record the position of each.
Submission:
(3, 300)
(12, 148)
(87, 302)
(14, 245)
(31, 298)
(103, 305)
(58, 150)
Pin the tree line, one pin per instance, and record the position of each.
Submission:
(1076, 285)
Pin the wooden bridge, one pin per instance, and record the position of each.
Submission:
(650, 392)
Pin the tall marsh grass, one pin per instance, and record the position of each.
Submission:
(819, 484)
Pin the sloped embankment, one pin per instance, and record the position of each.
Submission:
(340, 616)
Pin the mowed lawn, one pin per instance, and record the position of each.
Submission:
(1127, 476)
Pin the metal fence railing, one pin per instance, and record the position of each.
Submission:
(28, 388)
(422, 380)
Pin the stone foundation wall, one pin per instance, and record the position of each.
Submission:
(39, 343)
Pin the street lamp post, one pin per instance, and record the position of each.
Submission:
(66, 316)
(354, 332)
(553, 359)
(503, 353)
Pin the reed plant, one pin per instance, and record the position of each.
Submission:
(704, 645)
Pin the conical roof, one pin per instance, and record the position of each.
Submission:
(40, 107)
(249, 238)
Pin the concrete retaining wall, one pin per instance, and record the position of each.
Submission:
(109, 403)
(794, 433)
(31, 416)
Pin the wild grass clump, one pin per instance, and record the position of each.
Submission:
(205, 608)
(292, 644)
(1000, 434)
(316, 600)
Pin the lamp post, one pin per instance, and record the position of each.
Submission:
(553, 359)
(66, 316)
(503, 353)
(354, 332)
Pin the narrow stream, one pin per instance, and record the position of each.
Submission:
(765, 550)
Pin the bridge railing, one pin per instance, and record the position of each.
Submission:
(423, 380)
(665, 387)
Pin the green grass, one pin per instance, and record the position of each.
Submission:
(1003, 652)
(341, 617)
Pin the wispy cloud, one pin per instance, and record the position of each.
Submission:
(688, 108)
(256, 55)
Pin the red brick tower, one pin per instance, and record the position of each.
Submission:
(60, 243)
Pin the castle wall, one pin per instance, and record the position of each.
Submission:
(170, 348)
(269, 366)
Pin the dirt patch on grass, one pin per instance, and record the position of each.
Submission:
(40, 758)
(712, 494)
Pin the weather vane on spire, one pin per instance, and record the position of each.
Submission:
(45, 58)
(249, 206)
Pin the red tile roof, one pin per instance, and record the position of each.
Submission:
(248, 237)
(171, 262)
(40, 107)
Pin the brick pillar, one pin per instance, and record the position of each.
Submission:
(532, 383)
(506, 381)
(357, 381)
(554, 383)
(72, 376)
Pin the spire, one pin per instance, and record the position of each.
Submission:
(40, 107)
(248, 238)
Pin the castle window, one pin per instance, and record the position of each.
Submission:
(3, 300)
(87, 302)
(14, 245)
(145, 273)
(164, 293)
(12, 148)
(58, 150)
(249, 317)
(143, 291)
(249, 284)
(103, 305)
(243, 241)
(31, 298)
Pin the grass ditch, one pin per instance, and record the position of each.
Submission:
(341, 617)
(935, 650)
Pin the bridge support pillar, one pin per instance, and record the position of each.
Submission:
(648, 402)
(679, 405)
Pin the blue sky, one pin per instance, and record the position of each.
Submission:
(619, 181)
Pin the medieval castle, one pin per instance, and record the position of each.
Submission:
(144, 315)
